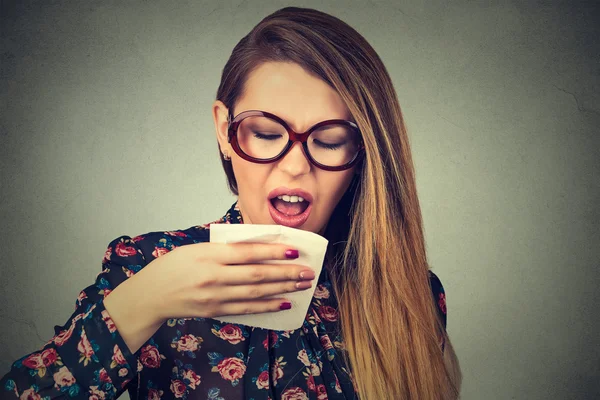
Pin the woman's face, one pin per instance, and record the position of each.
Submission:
(302, 100)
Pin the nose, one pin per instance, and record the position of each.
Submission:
(295, 162)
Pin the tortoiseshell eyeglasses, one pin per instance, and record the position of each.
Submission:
(262, 137)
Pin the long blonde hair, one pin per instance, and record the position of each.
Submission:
(376, 260)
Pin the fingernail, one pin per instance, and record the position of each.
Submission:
(291, 253)
(307, 274)
(303, 285)
(286, 305)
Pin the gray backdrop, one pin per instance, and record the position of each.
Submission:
(106, 129)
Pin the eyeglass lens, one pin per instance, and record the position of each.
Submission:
(331, 145)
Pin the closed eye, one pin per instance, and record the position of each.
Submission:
(263, 136)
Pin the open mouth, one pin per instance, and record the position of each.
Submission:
(289, 207)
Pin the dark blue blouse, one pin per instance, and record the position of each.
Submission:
(187, 358)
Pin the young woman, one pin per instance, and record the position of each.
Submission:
(311, 136)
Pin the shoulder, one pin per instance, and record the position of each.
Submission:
(141, 249)
(439, 295)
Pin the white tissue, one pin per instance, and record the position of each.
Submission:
(311, 248)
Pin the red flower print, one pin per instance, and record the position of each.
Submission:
(311, 383)
(231, 368)
(150, 356)
(178, 388)
(328, 313)
(137, 238)
(442, 302)
(231, 333)
(82, 295)
(123, 250)
(104, 376)
(34, 361)
(326, 342)
(154, 394)
(30, 394)
(175, 233)
(294, 393)
(263, 380)
(159, 251)
(107, 255)
(321, 392)
(49, 357)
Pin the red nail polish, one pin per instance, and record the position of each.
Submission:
(291, 253)
(286, 305)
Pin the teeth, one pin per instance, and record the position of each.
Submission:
(290, 199)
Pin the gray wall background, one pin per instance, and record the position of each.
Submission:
(105, 129)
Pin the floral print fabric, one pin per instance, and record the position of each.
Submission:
(187, 358)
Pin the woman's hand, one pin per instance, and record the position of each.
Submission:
(213, 279)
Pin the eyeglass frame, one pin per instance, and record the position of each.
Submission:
(293, 137)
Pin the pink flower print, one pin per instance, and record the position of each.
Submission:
(104, 377)
(321, 392)
(175, 233)
(294, 393)
(232, 333)
(137, 238)
(30, 394)
(192, 377)
(263, 380)
(178, 388)
(85, 349)
(231, 368)
(326, 342)
(96, 394)
(107, 255)
(117, 358)
(310, 381)
(63, 377)
(328, 313)
(108, 321)
(154, 394)
(151, 357)
(303, 356)
(442, 302)
(159, 251)
(321, 292)
(188, 343)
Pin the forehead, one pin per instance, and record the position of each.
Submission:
(290, 92)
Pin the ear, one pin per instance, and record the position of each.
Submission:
(220, 113)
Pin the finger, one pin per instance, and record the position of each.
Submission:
(247, 253)
(254, 307)
(257, 292)
(263, 273)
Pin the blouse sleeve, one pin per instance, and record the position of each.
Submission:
(439, 298)
(86, 357)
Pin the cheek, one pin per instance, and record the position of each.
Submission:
(251, 178)
(333, 185)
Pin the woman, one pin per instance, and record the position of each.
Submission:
(373, 329)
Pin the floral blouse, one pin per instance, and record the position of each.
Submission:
(187, 358)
